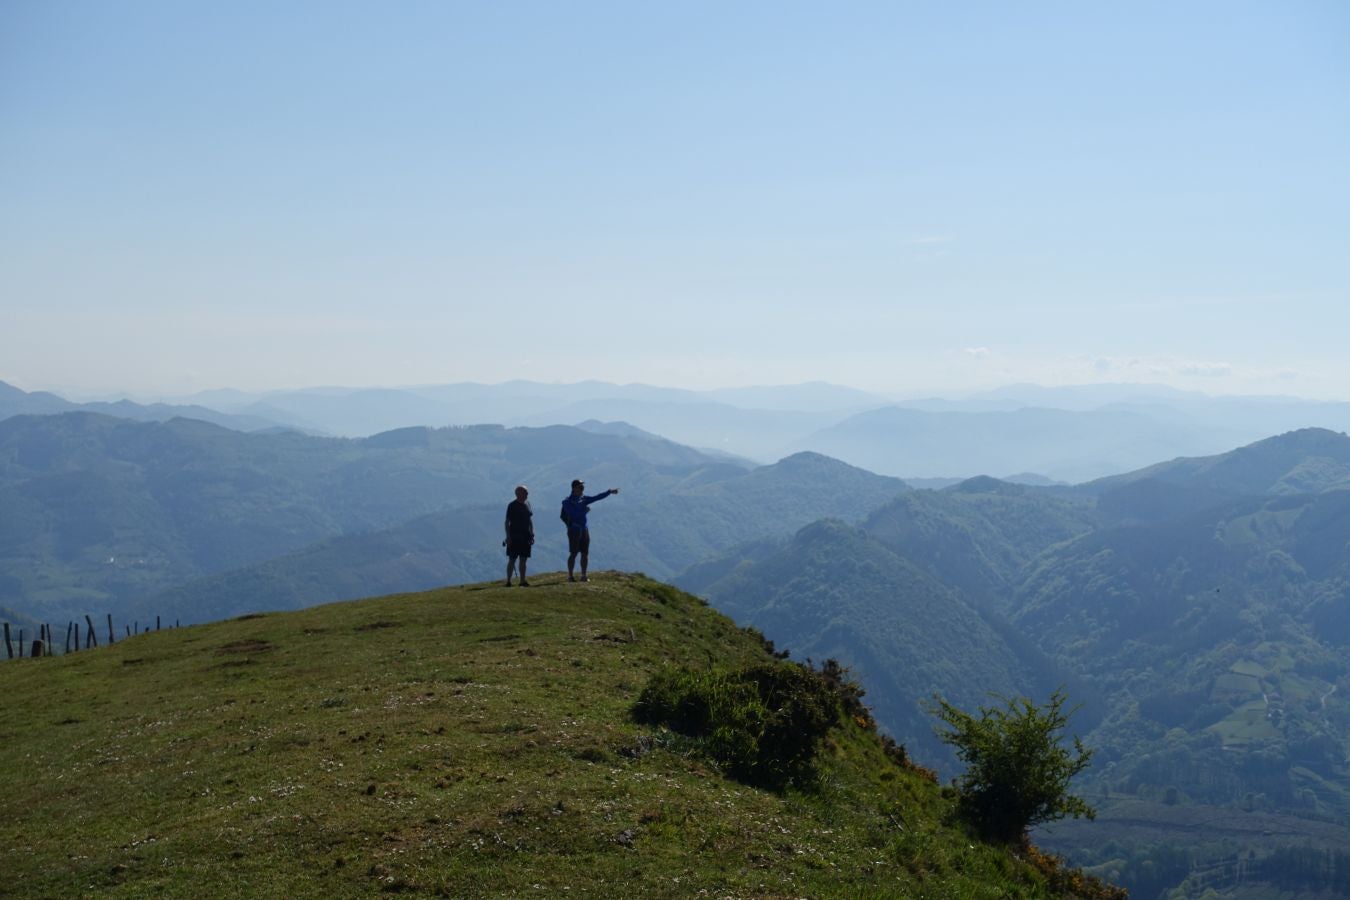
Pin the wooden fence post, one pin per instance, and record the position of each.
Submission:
(9, 647)
(20, 643)
(112, 637)
(38, 649)
(70, 625)
(157, 623)
(90, 639)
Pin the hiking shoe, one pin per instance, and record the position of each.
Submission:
(524, 583)
(570, 578)
(508, 584)
(584, 578)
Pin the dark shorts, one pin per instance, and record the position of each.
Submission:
(518, 547)
(579, 540)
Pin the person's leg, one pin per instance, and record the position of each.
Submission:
(584, 545)
(523, 582)
(510, 568)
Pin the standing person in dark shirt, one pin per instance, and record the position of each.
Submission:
(519, 534)
(574, 510)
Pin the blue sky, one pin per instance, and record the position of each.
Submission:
(909, 198)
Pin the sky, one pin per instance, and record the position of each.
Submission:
(909, 198)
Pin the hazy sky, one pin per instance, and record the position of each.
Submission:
(911, 198)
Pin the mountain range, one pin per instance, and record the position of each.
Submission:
(15, 402)
(1020, 432)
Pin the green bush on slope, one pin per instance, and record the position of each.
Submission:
(1017, 773)
(764, 723)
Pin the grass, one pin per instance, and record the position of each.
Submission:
(465, 742)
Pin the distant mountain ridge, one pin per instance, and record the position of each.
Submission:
(15, 402)
(1065, 434)
(1309, 460)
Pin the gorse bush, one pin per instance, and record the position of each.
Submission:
(1017, 772)
(763, 723)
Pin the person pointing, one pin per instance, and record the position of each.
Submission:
(574, 511)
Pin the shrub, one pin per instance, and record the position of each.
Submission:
(763, 723)
(1017, 771)
(1064, 881)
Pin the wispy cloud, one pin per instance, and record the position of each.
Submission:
(1204, 369)
(1157, 368)
(977, 352)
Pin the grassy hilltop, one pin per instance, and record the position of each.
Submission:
(470, 741)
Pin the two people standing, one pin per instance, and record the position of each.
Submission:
(520, 530)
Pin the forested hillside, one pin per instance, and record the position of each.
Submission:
(1197, 609)
(835, 591)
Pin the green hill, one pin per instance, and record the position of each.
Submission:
(471, 741)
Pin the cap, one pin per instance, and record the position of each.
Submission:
(577, 482)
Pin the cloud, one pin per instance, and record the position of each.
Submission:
(977, 352)
(1153, 367)
(1204, 369)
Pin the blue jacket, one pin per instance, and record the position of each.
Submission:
(576, 509)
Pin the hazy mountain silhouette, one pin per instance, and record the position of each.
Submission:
(15, 402)
(1309, 460)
